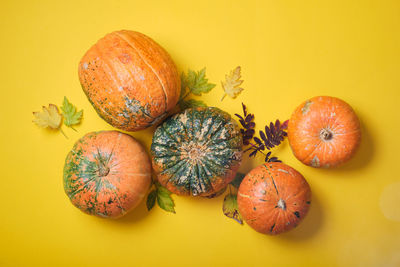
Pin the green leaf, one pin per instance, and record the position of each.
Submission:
(238, 179)
(183, 87)
(196, 82)
(162, 190)
(191, 103)
(71, 116)
(151, 199)
(164, 199)
(230, 208)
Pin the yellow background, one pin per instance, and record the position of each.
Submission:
(289, 51)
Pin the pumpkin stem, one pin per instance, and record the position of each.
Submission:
(103, 170)
(281, 204)
(325, 134)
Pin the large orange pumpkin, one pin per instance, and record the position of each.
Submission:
(324, 132)
(107, 174)
(130, 80)
(273, 198)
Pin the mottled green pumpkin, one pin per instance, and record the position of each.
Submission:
(197, 152)
(107, 174)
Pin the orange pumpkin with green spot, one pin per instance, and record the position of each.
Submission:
(324, 132)
(273, 198)
(107, 174)
(130, 80)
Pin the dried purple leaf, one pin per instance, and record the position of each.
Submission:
(268, 132)
(273, 135)
(248, 119)
(272, 128)
(248, 149)
(244, 109)
(252, 154)
(257, 140)
(263, 137)
(277, 124)
(250, 132)
(240, 117)
(285, 125)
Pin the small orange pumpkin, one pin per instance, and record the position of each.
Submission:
(324, 132)
(107, 174)
(273, 198)
(130, 80)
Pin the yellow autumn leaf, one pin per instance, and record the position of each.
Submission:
(232, 83)
(48, 117)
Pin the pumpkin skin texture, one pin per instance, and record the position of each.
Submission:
(324, 132)
(273, 198)
(130, 80)
(107, 174)
(197, 152)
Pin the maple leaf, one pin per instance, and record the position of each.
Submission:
(196, 82)
(232, 83)
(49, 117)
(71, 116)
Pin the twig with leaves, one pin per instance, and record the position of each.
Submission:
(194, 83)
(163, 197)
(248, 125)
(50, 116)
(271, 137)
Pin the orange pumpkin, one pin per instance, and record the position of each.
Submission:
(107, 174)
(324, 132)
(130, 80)
(273, 198)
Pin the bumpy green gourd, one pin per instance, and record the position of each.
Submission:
(197, 152)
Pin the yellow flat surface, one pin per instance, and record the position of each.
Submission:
(289, 51)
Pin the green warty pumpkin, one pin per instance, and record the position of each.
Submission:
(197, 152)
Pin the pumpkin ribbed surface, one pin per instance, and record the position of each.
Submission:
(197, 152)
(130, 80)
(107, 174)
